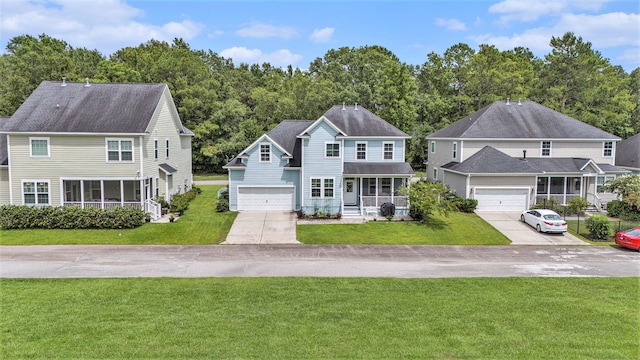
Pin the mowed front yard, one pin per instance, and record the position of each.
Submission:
(320, 318)
(201, 224)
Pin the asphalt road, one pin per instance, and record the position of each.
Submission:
(102, 261)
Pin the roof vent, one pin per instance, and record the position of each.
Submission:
(343, 106)
(64, 82)
(519, 101)
(86, 82)
(524, 155)
(356, 107)
(508, 101)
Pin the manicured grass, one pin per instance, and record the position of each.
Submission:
(583, 234)
(456, 229)
(303, 318)
(200, 224)
(210, 177)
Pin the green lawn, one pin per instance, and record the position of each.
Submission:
(200, 224)
(302, 318)
(210, 177)
(456, 229)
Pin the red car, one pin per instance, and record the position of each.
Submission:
(629, 238)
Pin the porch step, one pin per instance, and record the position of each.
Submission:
(351, 211)
(592, 209)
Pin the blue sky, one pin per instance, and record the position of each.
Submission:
(297, 32)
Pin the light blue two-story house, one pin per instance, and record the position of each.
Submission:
(349, 162)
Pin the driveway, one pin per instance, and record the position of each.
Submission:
(509, 224)
(263, 227)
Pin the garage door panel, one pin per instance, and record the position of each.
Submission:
(501, 199)
(265, 198)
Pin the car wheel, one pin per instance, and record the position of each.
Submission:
(538, 228)
(522, 218)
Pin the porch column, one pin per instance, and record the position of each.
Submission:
(122, 193)
(82, 194)
(377, 192)
(101, 194)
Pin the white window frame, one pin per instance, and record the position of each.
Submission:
(454, 149)
(358, 151)
(543, 148)
(605, 149)
(323, 187)
(605, 179)
(120, 140)
(156, 150)
(433, 147)
(35, 185)
(435, 174)
(166, 148)
(260, 153)
(327, 143)
(384, 150)
(32, 139)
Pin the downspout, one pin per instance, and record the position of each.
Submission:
(467, 189)
(302, 193)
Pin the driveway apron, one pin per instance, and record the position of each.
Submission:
(509, 224)
(263, 227)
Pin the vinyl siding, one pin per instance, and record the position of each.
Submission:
(559, 149)
(164, 125)
(457, 183)
(374, 150)
(317, 166)
(69, 156)
(262, 174)
(443, 155)
(503, 181)
(4, 186)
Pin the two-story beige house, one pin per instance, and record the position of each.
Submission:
(95, 145)
(511, 155)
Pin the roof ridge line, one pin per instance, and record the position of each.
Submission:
(474, 122)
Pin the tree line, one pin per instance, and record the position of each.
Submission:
(228, 106)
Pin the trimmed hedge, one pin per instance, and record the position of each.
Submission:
(599, 227)
(180, 202)
(68, 217)
(623, 210)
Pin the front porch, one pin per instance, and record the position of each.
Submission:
(364, 196)
(562, 189)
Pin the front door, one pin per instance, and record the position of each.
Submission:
(350, 192)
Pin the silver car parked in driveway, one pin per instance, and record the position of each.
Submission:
(544, 220)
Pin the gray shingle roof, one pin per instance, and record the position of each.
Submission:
(489, 160)
(285, 133)
(360, 122)
(529, 120)
(377, 168)
(168, 168)
(76, 108)
(628, 152)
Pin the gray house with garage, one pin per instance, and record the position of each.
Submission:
(628, 154)
(511, 155)
(349, 162)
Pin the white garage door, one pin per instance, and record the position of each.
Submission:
(265, 198)
(501, 199)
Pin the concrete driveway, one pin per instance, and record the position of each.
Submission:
(263, 227)
(520, 233)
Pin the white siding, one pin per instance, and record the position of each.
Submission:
(4, 186)
(559, 148)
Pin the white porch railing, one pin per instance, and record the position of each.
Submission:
(154, 208)
(104, 205)
(399, 201)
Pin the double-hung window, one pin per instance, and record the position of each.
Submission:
(166, 148)
(35, 192)
(322, 188)
(265, 152)
(119, 150)
(387, 151)
(601, 181)
(361, 151)
(332, 150)
(39, 147)
(607, 149)
(433, 147)
(455, 150)
(545, 148)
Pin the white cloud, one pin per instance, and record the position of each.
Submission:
(631, 56)
(106, 25)
(322, 35)
(526, 10)
(262, 31)
(278, 58)
(605, 30)
(451, 24)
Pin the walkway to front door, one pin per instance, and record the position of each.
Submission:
(263, 227)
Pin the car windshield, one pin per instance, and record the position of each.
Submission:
(551, 217)
(633, 232)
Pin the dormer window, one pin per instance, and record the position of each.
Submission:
(265, 152)
(607, 149)
(545, 148)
